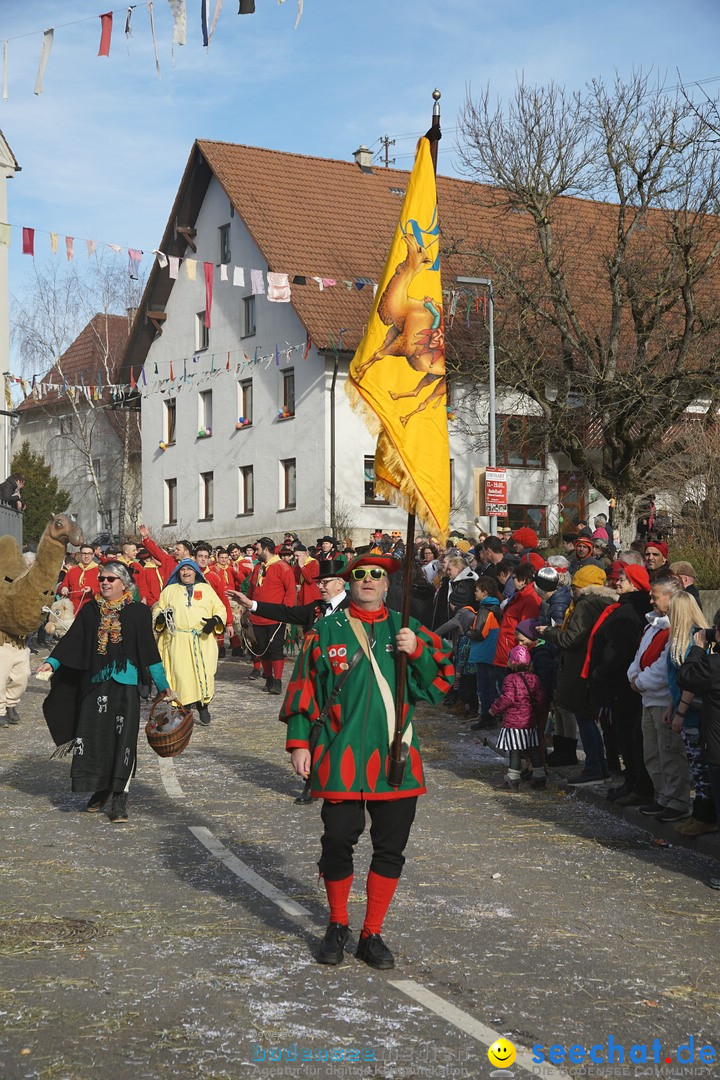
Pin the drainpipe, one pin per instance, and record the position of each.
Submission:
(332, 443)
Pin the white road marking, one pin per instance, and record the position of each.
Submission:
(169, 778)
(450, 1013)
(239, 868)
(486, 1035)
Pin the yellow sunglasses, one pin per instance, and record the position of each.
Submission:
(362, 572)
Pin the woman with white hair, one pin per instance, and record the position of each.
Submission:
(93, 708)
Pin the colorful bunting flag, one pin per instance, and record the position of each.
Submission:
(105, 33)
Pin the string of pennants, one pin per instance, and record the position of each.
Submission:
(278, 284)
(205, 26)
(183, 372)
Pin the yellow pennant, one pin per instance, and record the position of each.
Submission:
(397, 376)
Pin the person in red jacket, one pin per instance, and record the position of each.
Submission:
(306, 575)
(149, 578)
(203, 552)
(274, 582)
(80, 583)
(524, 604)
(168, 563)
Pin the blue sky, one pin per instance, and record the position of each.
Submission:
(103, 147)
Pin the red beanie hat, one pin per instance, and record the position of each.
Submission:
(638, 575)
(659, 545)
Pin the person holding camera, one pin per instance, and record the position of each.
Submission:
(700, 674)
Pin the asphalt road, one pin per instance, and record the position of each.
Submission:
(181, 944)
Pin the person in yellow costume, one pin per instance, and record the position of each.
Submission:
(188, 616)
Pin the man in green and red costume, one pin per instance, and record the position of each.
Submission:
(350, 759)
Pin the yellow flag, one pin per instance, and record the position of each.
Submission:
(397, 376)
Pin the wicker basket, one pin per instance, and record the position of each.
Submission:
(170, 743)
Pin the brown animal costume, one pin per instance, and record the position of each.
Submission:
(23, 593)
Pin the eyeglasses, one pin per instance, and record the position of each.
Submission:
(108, 578)
(362, 572)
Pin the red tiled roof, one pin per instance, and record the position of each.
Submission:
(98, 349)
(318, 216)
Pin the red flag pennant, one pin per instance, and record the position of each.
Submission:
(28, 242)
(172, 375)
(133, 384)
(227, 366)
(307, 347)
(69, 240)
(105, 33)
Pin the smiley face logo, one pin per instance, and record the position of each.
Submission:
(502, 1053)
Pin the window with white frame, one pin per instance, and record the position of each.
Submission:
(288, 392)
(245, 399)
(288, 482)
(169, 421)
(224, 232)
(246, 493)
(248, 316)
(171, 502)
(370, 494)
(202, 332)
(206, 496)
(205, 412)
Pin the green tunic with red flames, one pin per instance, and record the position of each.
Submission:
(350, 759)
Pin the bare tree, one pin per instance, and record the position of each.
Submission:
(608, 312)
(61, 304)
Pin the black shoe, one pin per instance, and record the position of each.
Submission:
(585, 778)
(268, 683)
(256, 673)
(221, 652)
(237, 652)
(615, 793)
(275, 687)
(332, 945)
(204, 717)
(374, 952)
(563, 751)
(652, 809)
(97, 801)
(668, 814)
(12, 715)
(3, 721)
(118, 808)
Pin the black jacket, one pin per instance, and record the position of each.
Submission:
(701, 674)
(613, 650)
(570, 688)
(301, 615)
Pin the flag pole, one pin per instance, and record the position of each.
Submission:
(398, 749)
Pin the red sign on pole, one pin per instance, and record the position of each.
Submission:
(496, 492)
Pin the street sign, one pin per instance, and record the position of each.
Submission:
(496, 492)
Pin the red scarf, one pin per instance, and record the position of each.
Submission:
(654, 649)
(379, 615)
(603, 616)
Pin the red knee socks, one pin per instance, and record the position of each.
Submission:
(267, 669)
(380, 891)
(337, 894)
(277, 669)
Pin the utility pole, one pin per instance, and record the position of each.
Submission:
(387, 142)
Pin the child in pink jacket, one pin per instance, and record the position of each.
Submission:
(520, 703)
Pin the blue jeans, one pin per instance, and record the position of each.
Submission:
(593, 745)
(487, 686)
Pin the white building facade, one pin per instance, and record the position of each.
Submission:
(246, 427)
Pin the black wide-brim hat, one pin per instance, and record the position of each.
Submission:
(385, 562)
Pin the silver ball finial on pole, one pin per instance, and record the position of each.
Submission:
(436, 95)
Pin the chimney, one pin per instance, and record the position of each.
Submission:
(363, 158)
